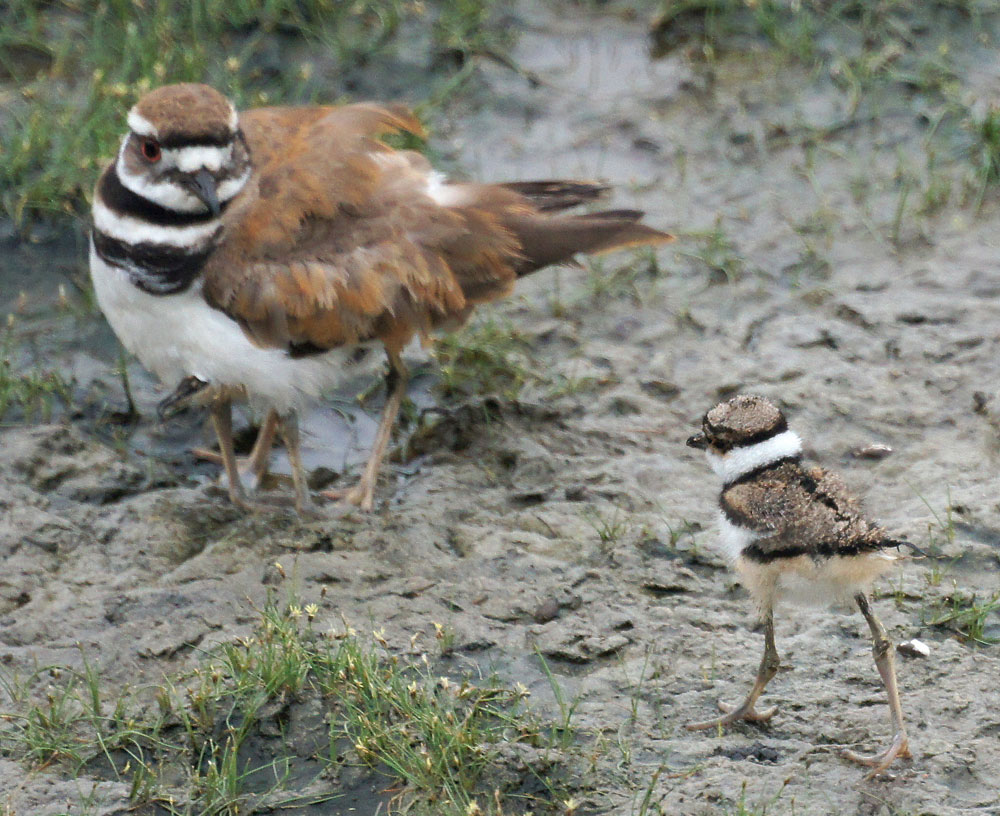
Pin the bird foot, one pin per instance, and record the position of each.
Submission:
(880, 762)
(237, 497)
(307, 510)
(361, 495)
(251, 474)
(733, 714)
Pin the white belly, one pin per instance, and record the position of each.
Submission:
(178, 335)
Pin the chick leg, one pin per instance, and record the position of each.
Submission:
(885, 663)
(747, 709)
(255, 466)
(222, 419)
(363, 494)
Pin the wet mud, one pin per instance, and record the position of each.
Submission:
(574, 523)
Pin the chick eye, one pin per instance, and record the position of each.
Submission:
(151, 150)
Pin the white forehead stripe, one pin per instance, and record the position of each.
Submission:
(135, 231)
(193, 158)
(140, 125)
(738, 461)
(234, 119)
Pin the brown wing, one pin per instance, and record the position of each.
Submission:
(801, 511)
(340, 240)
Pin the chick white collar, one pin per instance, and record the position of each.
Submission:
(740, 461)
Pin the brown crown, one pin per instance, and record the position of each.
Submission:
(188, 114)
(743, 420)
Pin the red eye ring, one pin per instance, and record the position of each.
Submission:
(151, 150)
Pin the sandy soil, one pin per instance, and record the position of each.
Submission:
(495, 529)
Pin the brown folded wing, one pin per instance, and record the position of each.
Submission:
(340, 241)
(801, 511)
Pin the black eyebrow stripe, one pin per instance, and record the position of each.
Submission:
(174, 142)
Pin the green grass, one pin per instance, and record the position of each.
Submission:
(744, 808)
(967, 614)
(712, 25)
(407, 722)
(611, 526)
(488, 356)
(613, 280)
(27, 391)
(718, 253)
(984, 150)
(912, 50)
(80, 64)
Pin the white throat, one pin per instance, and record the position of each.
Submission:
(739, 461)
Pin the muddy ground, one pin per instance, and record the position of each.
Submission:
(576, 522)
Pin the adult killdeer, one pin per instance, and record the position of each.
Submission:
(793, 530)
(254, 252)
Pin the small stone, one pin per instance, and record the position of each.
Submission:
(603, 645)
(875, 450)
(546, 611)
(914, 648)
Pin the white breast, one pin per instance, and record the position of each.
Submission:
(179, 335)
(733, 538)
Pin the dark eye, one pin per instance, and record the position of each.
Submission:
(151, 150)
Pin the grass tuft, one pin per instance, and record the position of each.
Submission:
(966, 614)
(489, 356)
(28, 392)
(221, 728)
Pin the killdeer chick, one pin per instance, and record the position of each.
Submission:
(256, 251)
(793, 530)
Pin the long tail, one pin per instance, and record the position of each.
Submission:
(551, 239)
(556, 195)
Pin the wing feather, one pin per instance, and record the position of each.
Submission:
(340, 239)
(801, 511)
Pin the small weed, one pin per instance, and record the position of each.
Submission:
(718, 253)
(621, 281)
(966, 614)
(906, 184)
(647, 803)
(984, 153)
(941, 532)
(716, 25)
(744, 808)
(635, 689)
(936, 189)
(29, 391)
(464, 28)
(445, 637)
(683, 530)
(681, 535)
(568, 386)
(488, 356)
(563, 732)
(610, 527)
